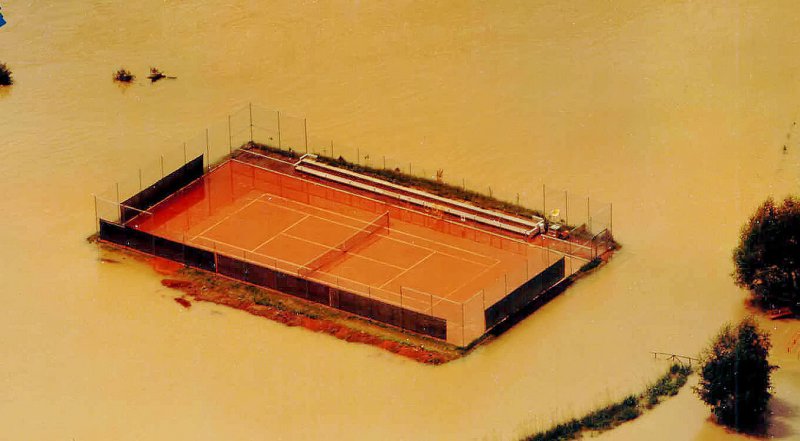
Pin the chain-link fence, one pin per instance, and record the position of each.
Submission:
(579, 227)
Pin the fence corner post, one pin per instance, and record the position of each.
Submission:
(251, 121)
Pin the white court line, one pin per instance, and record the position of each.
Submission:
(224, 219)
(339, 190)
(332, 248)
(282, 231)
(389, 236)
(339, 277)
(381, 203)
(408, 269)
(485, 270)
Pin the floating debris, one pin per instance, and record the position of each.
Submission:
(183, 302)
(124, 76)
(156, 74)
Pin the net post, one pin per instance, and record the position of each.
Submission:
(566, 207)
(332, 149)
(162, 166)
(140, 179)
(250, 105)
(184, 153)
(305, 133)
(384, 162)
(431, 296)
(230, 137)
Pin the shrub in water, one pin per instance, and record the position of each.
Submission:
(766, 260)
(5, 75)
(735, 375)
(124, 76)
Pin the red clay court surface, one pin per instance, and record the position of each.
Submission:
(286, 222)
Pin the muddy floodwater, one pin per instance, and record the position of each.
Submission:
(677, 112)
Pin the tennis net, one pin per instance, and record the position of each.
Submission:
(381, 223)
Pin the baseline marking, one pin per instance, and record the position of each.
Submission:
(224, 219)
(281, 232)
(389, 236)
(408, 269)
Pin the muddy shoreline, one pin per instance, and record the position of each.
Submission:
(199, 286)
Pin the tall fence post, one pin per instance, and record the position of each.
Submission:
(230, 137)
(96, 217)
(305, 133)
(544, 200)
(208, 152)
(589, 215)
(279, 128)
(463, 324)
(251, 121)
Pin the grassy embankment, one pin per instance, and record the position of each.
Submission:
(627, 409)
(398, 177)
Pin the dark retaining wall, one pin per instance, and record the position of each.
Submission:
(273, 279)
(534, 290)
(164, 187)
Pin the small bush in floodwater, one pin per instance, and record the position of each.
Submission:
(5, 75)
(124, 76)
(735, 376)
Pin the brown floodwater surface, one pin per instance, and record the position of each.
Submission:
(676, 111)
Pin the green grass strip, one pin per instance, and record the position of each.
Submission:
(615, 414)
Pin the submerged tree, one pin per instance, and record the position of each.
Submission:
(735, 375)
(767, 259)
(5, 75)
(124, 76)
